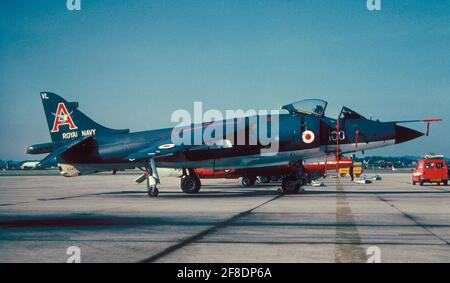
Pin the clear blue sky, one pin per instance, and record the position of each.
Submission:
(131, 63)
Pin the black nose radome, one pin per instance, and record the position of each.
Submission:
(403, 134)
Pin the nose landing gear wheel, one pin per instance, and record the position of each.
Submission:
(190, 184)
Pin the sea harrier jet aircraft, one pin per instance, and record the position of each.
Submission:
(81, 146)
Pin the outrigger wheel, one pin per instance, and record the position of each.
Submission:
(153, 191)
(190, 184)
(152, 179)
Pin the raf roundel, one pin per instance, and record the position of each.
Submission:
(166, 146)
(308, 137)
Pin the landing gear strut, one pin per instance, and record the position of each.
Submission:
(190, 184)
(152, 178)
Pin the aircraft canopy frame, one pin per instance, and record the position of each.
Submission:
(315, 107)
(347, 113)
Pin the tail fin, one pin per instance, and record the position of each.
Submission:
(66, 122)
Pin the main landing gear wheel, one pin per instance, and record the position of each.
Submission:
(190, 184)
(264, 179)
(291, 186)
(248, 181)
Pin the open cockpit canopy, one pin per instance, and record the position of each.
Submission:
(314, 107)
(347, 113)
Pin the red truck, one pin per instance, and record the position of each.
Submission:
(431, 169)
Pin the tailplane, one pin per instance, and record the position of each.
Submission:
(66, 122)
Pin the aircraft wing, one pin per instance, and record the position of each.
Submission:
(164, 148)
(60, 150)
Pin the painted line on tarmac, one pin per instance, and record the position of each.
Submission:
(204, 233)
(414, 219)
(348, 246)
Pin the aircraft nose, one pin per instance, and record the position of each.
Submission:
(403, 134)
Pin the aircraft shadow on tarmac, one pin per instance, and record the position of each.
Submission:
(232, 192)
(92, 220)
(218, 191)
